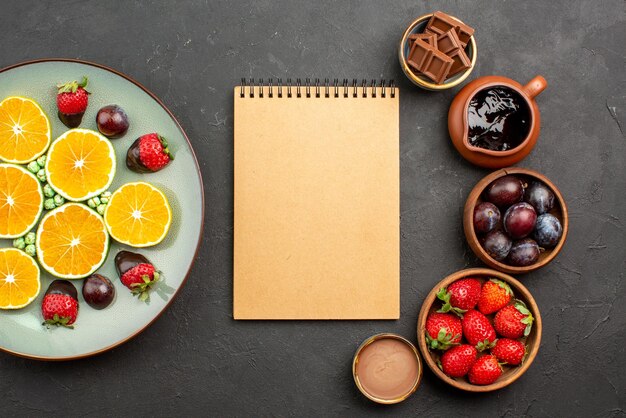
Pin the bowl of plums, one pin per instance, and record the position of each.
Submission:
(515, 220)
(479, 330)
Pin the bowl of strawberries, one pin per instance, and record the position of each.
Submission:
(479, 330)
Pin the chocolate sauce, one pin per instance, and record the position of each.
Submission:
(126, 260)
(71, 121)
(62, 287)
(498, 119)
(133, 162)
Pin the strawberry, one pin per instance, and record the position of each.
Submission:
(478, 330)
(494, 296)
(460, 296)
(509, 351)
(72, 101)
(140, 279)
(514, 321)
(60, 304)
(148, 153)
(443, 330)
(485, 371)
(457, 361)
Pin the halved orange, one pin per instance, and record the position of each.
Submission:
(72, 241)
(80, 164)
(21, 201)
(138, 214)
(24, 130)
(19, 279)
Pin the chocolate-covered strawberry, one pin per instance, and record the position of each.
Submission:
(149, 153)
(136, 273)
(72, 101)
(60, 304)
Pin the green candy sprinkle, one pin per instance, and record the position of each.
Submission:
(30, 238)
(48, 191)
(41, 175)
(58, 200)
(100, 209)
(19, 243)
(30, 250)
(41, 161)
(49, 204)
(33, 167)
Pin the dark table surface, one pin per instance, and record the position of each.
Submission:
(195, 360)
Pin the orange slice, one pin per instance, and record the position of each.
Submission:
(19, 279)
(80, 164)
(138, 214)
(21, 201)
(72, 241)
(24, 130)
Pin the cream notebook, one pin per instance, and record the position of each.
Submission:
(317, 201)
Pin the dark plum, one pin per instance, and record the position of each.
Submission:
(98, 291)
(505, 191)
(486, 217)
(524, 253)
(548, 230)
(112, 121)
(519, 220)
(540, 197)
(497, 244)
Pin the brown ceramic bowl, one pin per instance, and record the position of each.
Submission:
(475, 197)
(511, 373)
(418, 26)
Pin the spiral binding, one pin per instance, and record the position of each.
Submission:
(308, 89)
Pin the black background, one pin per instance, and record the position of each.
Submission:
(195, 360)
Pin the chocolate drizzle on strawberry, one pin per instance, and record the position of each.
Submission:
(62, 287)
(71, 121)
(126, 260)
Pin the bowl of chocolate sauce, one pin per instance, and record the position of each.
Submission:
(494, 121)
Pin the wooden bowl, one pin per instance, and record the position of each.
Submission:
(475, 197)
(511, 373)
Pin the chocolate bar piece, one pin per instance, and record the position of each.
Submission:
(420, 55)
(461, 62)
(439, 67)
(430, 39)
(448, 42)
(440, 23)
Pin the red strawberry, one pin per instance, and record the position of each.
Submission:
(514, 321)
(494, 296)
(460, 295)
(72, 101)
(140, 279)
(478, 330)
(60, 304)
(443, 330)
(485, 371)
(509, 351)
(457, 361)
(148, 153)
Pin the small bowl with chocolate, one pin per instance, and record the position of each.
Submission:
(515, 220)
(437, 51)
